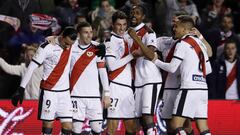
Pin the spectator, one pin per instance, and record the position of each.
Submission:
(96, 3)
(32, 89)
(20, 9)
(212, 14)
(28, 36)
(176, 7)
(225, 79)
(67, 15)
(103, 14)
(127, 7)
(218, 36)
(80, 18)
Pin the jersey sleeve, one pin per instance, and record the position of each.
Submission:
(109, 50)
(161, 43)
(150, 39)
(113, 63)
(180, 51)
(169, 67)
(27, 76)
(40, 55)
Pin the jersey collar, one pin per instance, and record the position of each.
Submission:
(84, 47)
(116, 35)
(137, 28)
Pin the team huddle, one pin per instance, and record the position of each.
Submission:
(130, 73)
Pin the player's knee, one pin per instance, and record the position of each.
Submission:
(191, 132)
(188, 127)
(66, 131)
(67, 125)
(112, 126)
(130, 133)
(131, 126)
(179, 131)
(77, 128)
(96, 127)
(48, 124)
(206, 132)
(149, 129)
(73, 133)
(46, 131)
(147, 119)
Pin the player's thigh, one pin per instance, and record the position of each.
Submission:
(47, 107)
(94, 109)
(186, 104)
(64, 108)
(202, 105)
(150, 98)
(138, 101)
(122, 102)
(169, 97)
(79, 109)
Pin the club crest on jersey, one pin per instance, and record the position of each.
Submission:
(89, 54)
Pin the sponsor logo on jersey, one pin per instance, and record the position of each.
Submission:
(198, 78)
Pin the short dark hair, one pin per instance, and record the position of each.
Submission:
(186, 19)
(83, 24)
(100, 3)
(228, 16)
(70, 32)
(79, 15)
(118, 15)
(230, 41)
(142, 8)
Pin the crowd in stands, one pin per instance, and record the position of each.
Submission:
(26, 23)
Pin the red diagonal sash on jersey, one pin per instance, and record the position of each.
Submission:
(141, 33)
(231, 76)
(198, 50)
(81, 65)
(135, 46)
(57, 72)
(113, 74)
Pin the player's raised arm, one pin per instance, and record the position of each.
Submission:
(147, 52)
(195, 31)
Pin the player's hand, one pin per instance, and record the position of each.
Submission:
(137, 53)
(18, 96)
(51, 39)
(195, 31)
(106, 100)
(101, 50)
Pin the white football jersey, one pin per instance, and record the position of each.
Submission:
(49, 55)
(190, 69)
(115, 47)
(145, 71)
(164, 45)
(87, 84)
